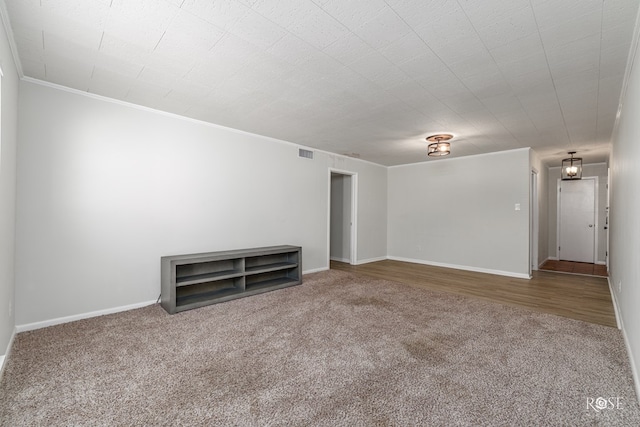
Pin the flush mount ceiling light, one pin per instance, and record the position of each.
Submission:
(571, 167)
(439, 145)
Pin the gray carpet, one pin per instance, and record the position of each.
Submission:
(337, 350)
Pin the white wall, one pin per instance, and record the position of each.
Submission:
(461, 212)
(8, 141)
(596, 169)
(105, 189)
(624, 267)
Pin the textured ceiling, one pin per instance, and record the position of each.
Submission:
(368, 78)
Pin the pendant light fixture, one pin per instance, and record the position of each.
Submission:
(571, 167)
(439, 145)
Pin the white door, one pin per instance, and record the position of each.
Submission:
(577, 226)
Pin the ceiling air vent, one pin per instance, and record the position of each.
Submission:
(305, 153)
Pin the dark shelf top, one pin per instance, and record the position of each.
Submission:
(238, 253)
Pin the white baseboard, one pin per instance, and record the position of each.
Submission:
(5, 357)
(620, 323)
(359, 262)
(369, 260)
(634, 371)
(463, 267)
(315, 270)
(67, 319)
(601, 262)
(615, 304)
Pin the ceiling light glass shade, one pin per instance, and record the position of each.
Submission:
(572, 167)
(439, 149)
(439, 145)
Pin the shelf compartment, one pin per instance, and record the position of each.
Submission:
(191, 274)
(264, 261)
(207, 277)
(271, 280)
(270, 267)
(204, 292)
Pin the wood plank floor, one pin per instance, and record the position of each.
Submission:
(575, 267)
(578, 297)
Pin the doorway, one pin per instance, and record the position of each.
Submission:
(342, 217)
(607, 215)
(534, 225)
(578, 220)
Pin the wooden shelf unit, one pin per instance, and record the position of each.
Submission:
(195, 280)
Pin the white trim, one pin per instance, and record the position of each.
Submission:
(600, 262)
(596, 218)
(462, 267)
(335, 258)
(607, 217)
(353, 246)
(534, 223)
(634, 370)
(4, 16)
(557, 248)
(73, 318)
(354, 218)
(188, 119)
(315, 270)
(620, 323)
(5, 356)
(615, 304)
(370, 260)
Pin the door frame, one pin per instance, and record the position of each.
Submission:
(608, 218)
(595, 216)
(534, 224)
(353, 235)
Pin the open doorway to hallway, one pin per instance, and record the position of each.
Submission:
(569, 237)
(342, 216)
